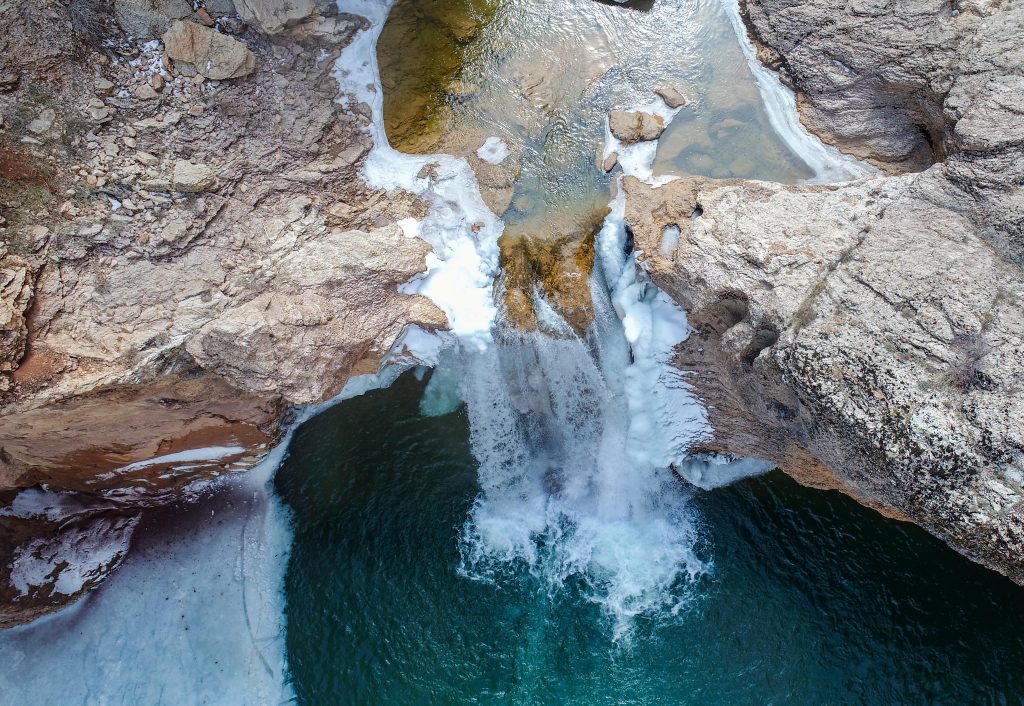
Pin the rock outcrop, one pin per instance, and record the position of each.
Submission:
(186, 250)
(908, 84)
(867, 337)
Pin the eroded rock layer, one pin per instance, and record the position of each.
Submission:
(186, 249)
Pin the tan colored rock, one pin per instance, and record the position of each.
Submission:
(189, 177)
(274, 16)
(333, 302)
(214, 55)
(630, 127)
(143, 19)
(863, 326)
(146, 92)
(672, 97)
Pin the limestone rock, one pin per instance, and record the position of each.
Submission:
(144, 19)
(274, 16)
(908, 84)
(330, 302)
(189, 177)
(863, 333)
(630, 127)
(215, 55)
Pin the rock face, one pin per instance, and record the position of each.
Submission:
(868, 337)
(907, 84)
(861, 337)
(144, 19)
(273, 16)
(178, 266)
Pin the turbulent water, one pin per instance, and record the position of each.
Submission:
(525, 526)
(806, 597)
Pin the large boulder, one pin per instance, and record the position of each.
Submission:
(214, 55)
(907, 84)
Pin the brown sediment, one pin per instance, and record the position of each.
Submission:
(558, 264)
(73, 443)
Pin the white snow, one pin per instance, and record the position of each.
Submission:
(493, 150)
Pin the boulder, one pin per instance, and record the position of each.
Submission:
(144, 19)
(862, 336)
(214, 55)
(274, 16)
(635, 126)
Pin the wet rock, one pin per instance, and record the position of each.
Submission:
(215, 55)
(672, 97)
(631, 127)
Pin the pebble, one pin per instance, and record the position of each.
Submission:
(147, 159)
(128, 141)
(146, 92)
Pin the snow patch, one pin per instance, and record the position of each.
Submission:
(493, 151)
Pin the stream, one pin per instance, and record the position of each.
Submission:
(508, 512)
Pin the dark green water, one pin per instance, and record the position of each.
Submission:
(811, 598)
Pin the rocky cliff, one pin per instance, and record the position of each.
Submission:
(185, 251)
(868, 337)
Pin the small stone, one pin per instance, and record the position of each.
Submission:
(103, 87)
(147, 159)
(157, 81)
(100, 115)
(91, 180)
(188, 177)
(128, 142)
(672, 97)
(198, 79)
(609, 162)
(196, 110)
(204, 17)
(96, 103)
(146, 92)
(43, 122)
